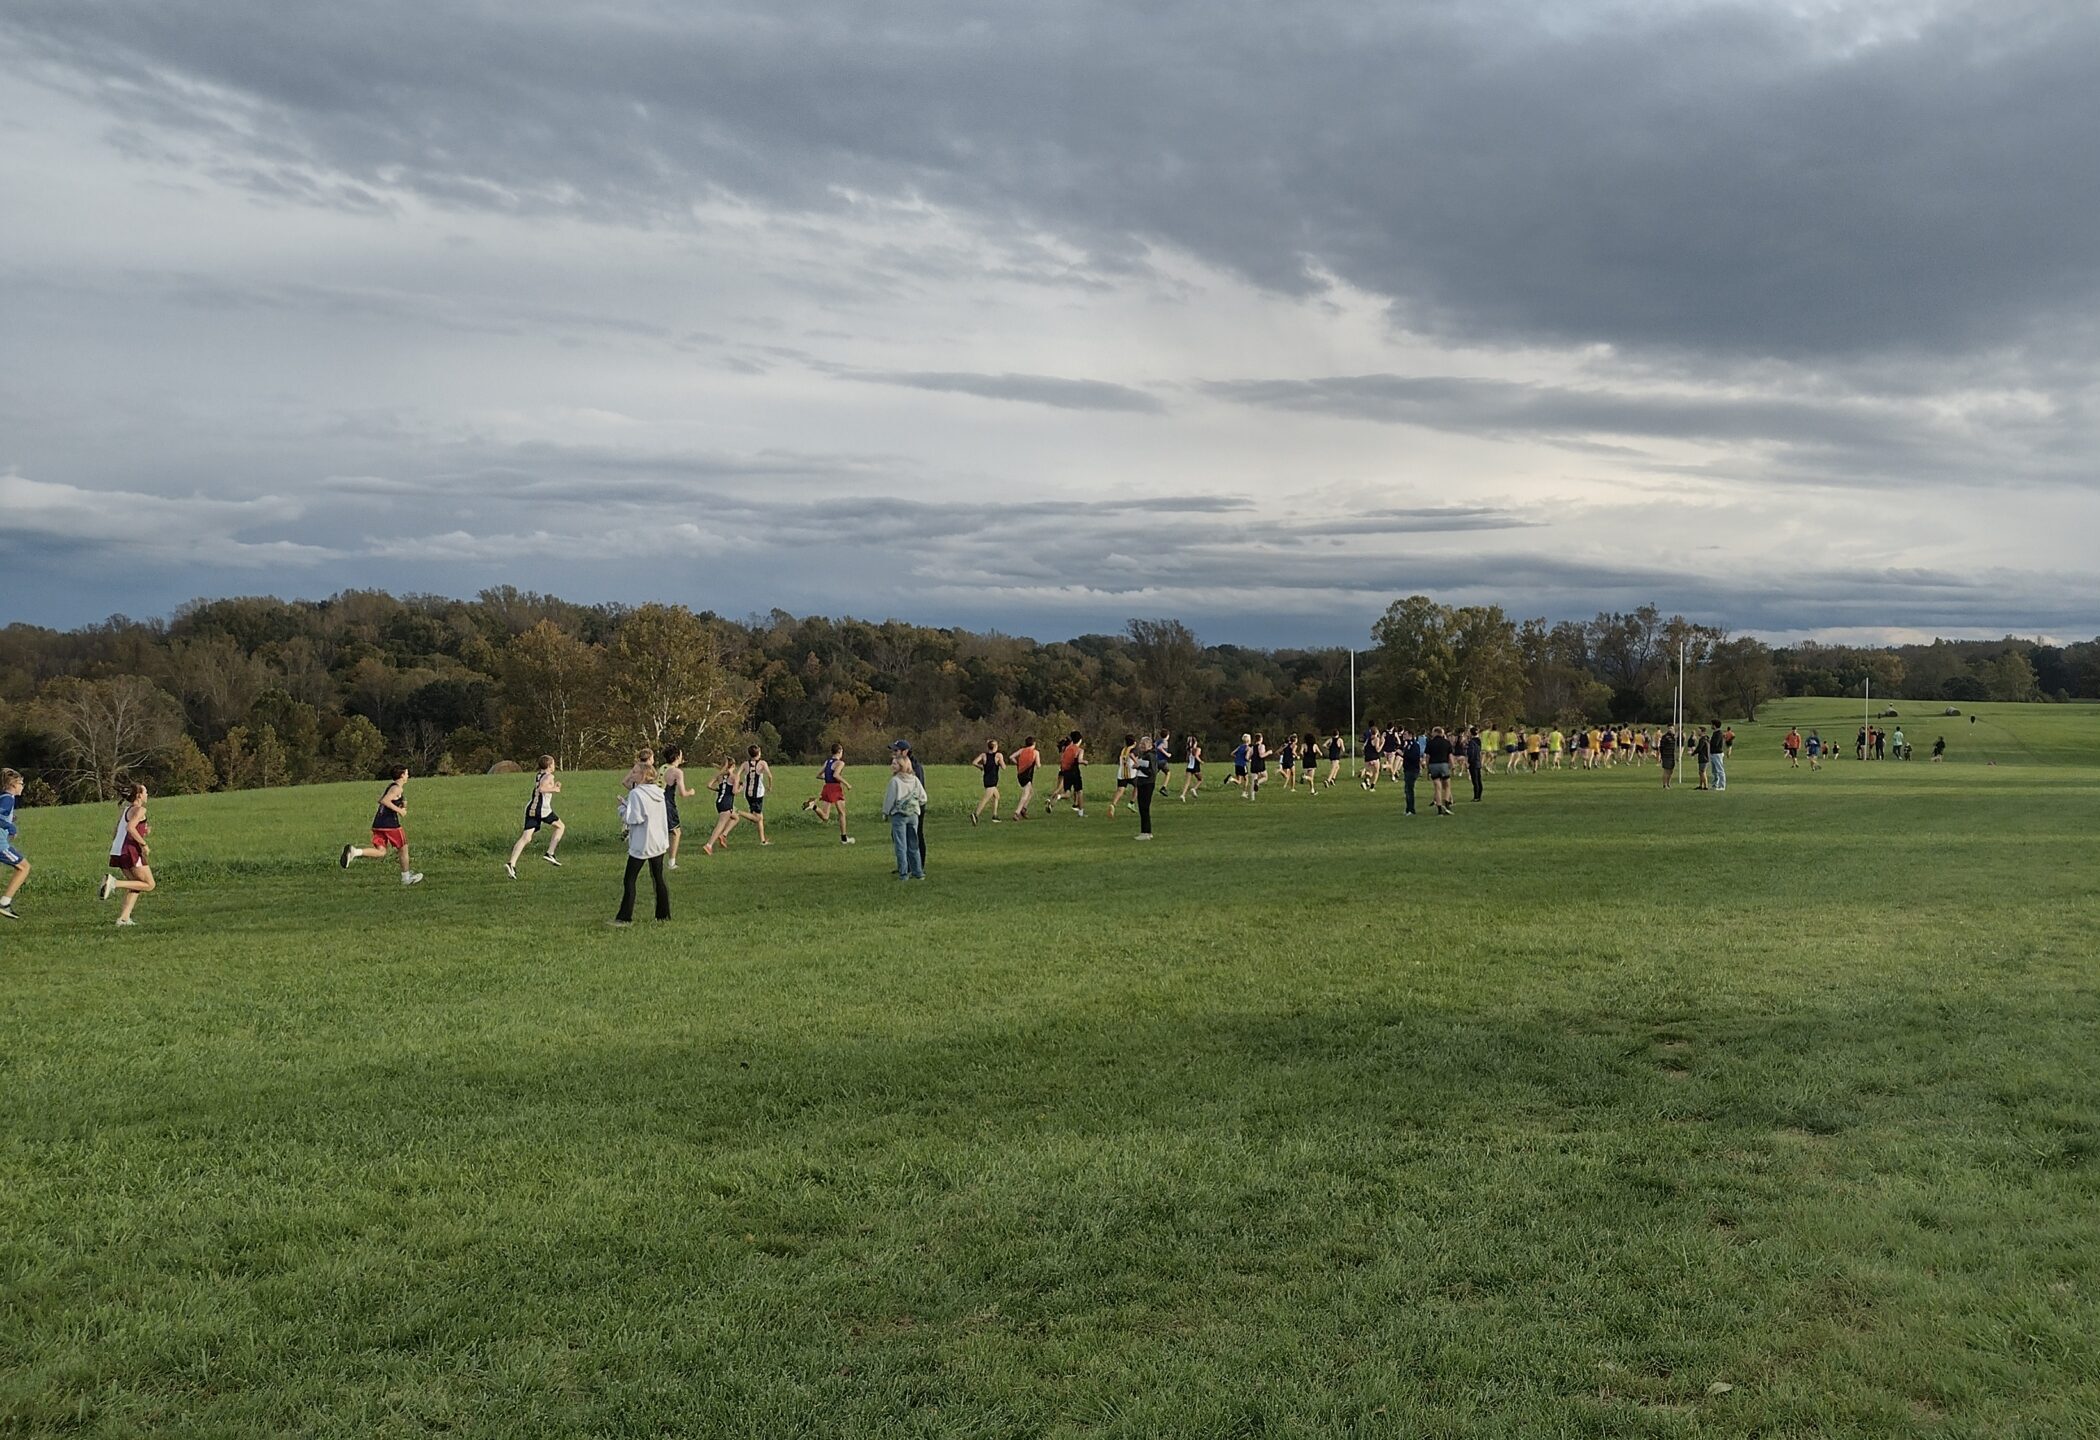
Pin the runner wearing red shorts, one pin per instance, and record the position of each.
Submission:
(831, 795)
(387, 829)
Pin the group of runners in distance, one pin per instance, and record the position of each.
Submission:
(653, 786)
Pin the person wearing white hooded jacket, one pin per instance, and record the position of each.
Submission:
(648, 836)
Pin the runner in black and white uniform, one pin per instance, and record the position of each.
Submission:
(1257, 765)
(539, 813)
(756, 779)
(726, 816)
(672, 777)
(1192, 778)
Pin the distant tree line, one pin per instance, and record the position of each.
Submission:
(241, 693)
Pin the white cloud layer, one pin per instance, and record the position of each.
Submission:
(1257, 315)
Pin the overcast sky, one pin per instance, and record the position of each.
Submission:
(1043, 316)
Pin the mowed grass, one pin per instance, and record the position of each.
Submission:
(1593, 1110)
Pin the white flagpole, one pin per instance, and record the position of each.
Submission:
(1352, 713)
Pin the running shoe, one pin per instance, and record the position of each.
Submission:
(349, 854)
(549, 858)
(413, 877)
(109, 887)
(511, 870)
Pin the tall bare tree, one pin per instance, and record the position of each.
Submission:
(106, 727)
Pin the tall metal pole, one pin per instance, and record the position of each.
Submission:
(1359, 763)
(1866, 722)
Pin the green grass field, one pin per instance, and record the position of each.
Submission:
(1593, 1110)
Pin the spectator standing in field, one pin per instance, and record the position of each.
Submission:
(647, 817)
(1142, 781)
(128, 851)
(1702, 752)
(1025, 760)
(990, 762)
(1881, 744)
(389, 829)
(1410, 769)
(1718, 758)
(672, 778)
(1475, 764)
(1792, 745)
(1439, 749)
(10, 834)
(831, 791)
(918, 773)
(1897, 740)
(904, 806)
(1666, 751)
(539, 814)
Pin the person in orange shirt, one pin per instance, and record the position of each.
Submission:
(1025, 760)
(1070, 782)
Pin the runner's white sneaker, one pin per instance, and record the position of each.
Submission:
(349, 854)
(109, 887)
(549, 858)
(413, 877)
(511, 870)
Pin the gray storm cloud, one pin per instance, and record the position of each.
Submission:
(1772, 313)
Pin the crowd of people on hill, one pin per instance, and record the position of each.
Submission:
(653, 787)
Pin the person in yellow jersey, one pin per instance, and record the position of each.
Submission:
(1535, 749)
(1556, 742)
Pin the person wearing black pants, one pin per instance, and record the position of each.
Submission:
(1474, 763)
(1143, 761)
(645, 815)
(1410, 767)
(656, 878)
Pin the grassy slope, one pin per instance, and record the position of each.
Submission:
(1536, 1121)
